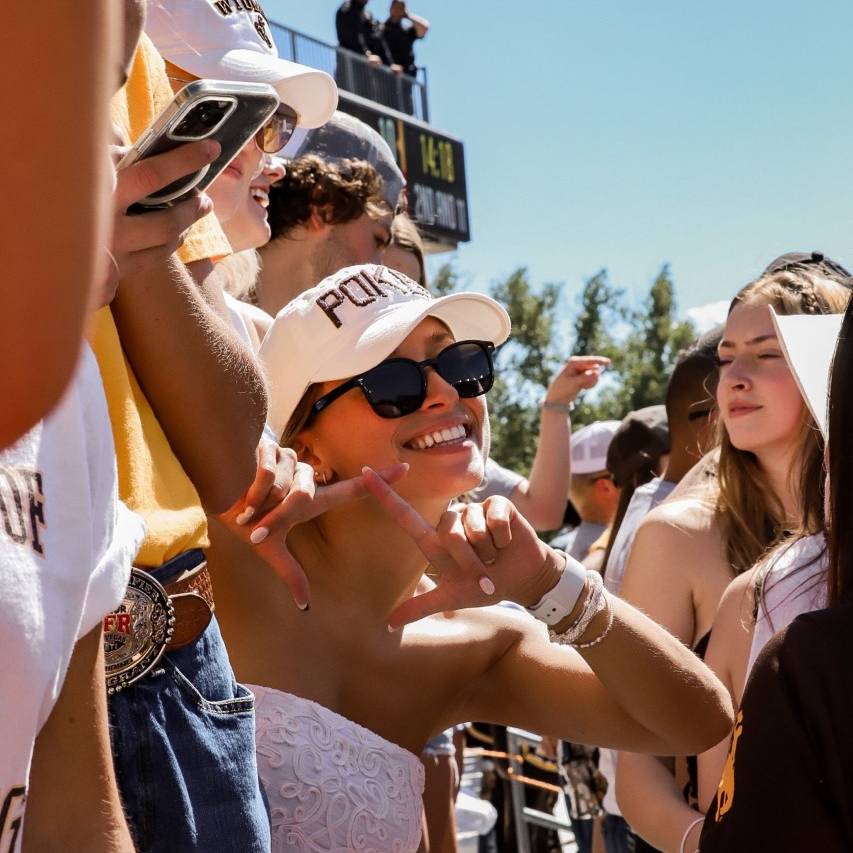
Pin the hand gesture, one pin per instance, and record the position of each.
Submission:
(142, 240)
(580, 373)
(282, 496)
(483, 554)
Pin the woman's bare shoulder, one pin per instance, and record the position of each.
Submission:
(689, 513)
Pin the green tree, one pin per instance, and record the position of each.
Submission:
(446, 280)
(526, 365)
(642, 344)
(651, 347)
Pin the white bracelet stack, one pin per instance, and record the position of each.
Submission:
(597, 600)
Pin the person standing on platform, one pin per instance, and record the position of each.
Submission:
(400, 45)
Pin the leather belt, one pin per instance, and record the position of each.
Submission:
(191, 594)
(153, 619)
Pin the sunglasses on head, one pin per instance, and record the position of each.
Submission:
(398, 386)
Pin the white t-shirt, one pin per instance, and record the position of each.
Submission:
(66, 546)
(643, 501)
(245, 319)
(795, 584)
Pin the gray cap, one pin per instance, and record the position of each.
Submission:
(345, 137)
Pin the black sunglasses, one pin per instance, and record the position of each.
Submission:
(398, 386)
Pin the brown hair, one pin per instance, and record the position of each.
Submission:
(751, 512)
(340, 191)
(405, 235)
(301, 415)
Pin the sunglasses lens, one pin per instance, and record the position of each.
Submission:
(467, 366)
(394, 389)
(276, 133)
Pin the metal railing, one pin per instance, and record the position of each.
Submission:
(523, 814)
(354, 73)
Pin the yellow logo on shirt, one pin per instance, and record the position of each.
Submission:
(726, 788)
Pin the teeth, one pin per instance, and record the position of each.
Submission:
(442, 436)
(260, 196)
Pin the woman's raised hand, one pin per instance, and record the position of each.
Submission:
(483, 553)
(283, 495)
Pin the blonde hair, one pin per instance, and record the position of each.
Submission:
(240, 273)
(751, 512)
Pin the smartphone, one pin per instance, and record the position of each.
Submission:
(229, 112)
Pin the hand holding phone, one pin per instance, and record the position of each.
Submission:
(141, 241)
(229, 112)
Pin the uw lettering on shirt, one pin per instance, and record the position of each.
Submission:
(364, 289)
(229, 7)
(22, 508)
(12, 818)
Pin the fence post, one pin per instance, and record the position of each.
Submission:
(424, 104)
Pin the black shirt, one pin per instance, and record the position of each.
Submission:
(359, 31)
(788, 781)
(401, 44)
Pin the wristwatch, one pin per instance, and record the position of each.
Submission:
(559, 602)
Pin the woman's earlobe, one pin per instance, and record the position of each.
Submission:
(304, 453)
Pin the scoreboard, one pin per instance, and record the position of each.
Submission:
(434, 166)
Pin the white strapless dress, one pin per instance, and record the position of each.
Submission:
(333, 785)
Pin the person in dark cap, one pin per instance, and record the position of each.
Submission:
(333, 208)
(810, 261)
(684, 427)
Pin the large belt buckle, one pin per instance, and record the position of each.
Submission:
(136, 635)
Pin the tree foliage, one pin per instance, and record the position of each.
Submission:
(641, 341)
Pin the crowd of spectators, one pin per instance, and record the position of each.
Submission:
(257, 568)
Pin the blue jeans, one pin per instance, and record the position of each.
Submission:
(183, 741)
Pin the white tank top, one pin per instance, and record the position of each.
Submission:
(795, 584)
(333, 785)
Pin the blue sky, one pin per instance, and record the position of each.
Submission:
(626, 135)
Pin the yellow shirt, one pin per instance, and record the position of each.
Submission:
(150, 477)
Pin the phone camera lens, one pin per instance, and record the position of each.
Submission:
(201, 120)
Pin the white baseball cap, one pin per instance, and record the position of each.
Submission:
(231, 40)
(353, 320)
(589, 447)
(808, 342)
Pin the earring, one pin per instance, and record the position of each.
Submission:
(318, 475)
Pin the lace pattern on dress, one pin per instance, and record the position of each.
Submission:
(333, 785)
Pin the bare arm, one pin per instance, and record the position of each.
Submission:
(202, 384)
(489, 552)
(541, 498)
(50, 261)
(651, 802)
(421, 25)
(728, 655)
(73, 802)
(604, 695)
(659, 579)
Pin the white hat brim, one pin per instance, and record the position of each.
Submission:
(312, 93)
(808, 342)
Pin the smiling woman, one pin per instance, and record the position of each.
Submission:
(404, 377)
